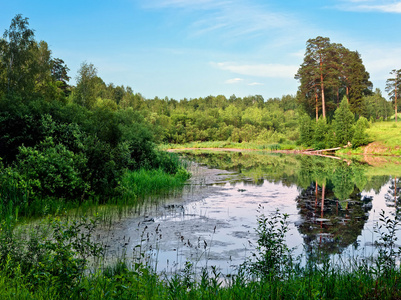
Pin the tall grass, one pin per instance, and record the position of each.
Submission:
(18, 199)
(148, 183)
(54, 264)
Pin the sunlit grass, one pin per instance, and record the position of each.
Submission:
(143, 183)
(233, 145)
(385, 138)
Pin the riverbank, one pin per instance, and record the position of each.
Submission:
(385, 140)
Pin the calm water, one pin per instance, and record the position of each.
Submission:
(333, 206)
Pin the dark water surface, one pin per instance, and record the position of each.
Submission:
(333, 206)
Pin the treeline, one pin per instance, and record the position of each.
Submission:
(211, 118)
(53, 149)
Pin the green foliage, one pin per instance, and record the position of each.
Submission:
(272, 257)
(377, 107)
(18, 71)
(53, 170)
(360, 137)
(320, 134)
(330, 72)
(56, 255)
(85, 92)
(306, 130)
(343, 123)
(148, 183)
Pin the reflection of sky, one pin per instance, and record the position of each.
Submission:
(235, 208)
(226, 221)
(368, 237)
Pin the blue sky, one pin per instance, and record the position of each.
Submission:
(195, 48)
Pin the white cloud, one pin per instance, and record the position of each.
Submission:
(379, 61)
(191, 4)
(233, 80)
(259, 70)
(386, 6)
(255, 83)
(229, 18)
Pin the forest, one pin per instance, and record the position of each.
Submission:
(62, 145)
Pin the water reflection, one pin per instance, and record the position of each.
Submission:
(331, 206)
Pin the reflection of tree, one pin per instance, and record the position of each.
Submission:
(332, 210)
(393, 194)
(375, 183)
(326, 223)
(256, 166)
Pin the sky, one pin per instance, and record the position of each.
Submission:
(196, 48)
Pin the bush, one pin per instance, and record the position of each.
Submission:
(53, 170)
(360, 136)
(50, 255)
(272, 256)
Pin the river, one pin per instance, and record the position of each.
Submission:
(333, 207)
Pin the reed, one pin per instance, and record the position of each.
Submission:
(55, 266)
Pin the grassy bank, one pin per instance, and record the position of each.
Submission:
(385, 139)
(232, 145)
(18, 200)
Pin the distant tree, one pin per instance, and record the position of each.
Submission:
(377, 106)
(393, 87)
(330, 71)
(16, 72)
(85, 91)
(59, 72)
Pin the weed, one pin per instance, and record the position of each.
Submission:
(386, 244)
(272, 257)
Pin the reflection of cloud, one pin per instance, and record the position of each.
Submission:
(255, 83)
(386, 6)
(233, 80)
(259, 70)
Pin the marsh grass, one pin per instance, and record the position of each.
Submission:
(148, 183)
(137, 188)
(52, 263)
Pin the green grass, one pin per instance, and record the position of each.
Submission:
(54, 264)
(147, 183)
(387, 133)
(134, 189)
(225, 144)
(386, 139)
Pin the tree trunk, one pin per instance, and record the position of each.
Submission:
(317, 108)
(322, 87)
(395, 98)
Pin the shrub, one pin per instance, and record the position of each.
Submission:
(53, 170)
(272, 256)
